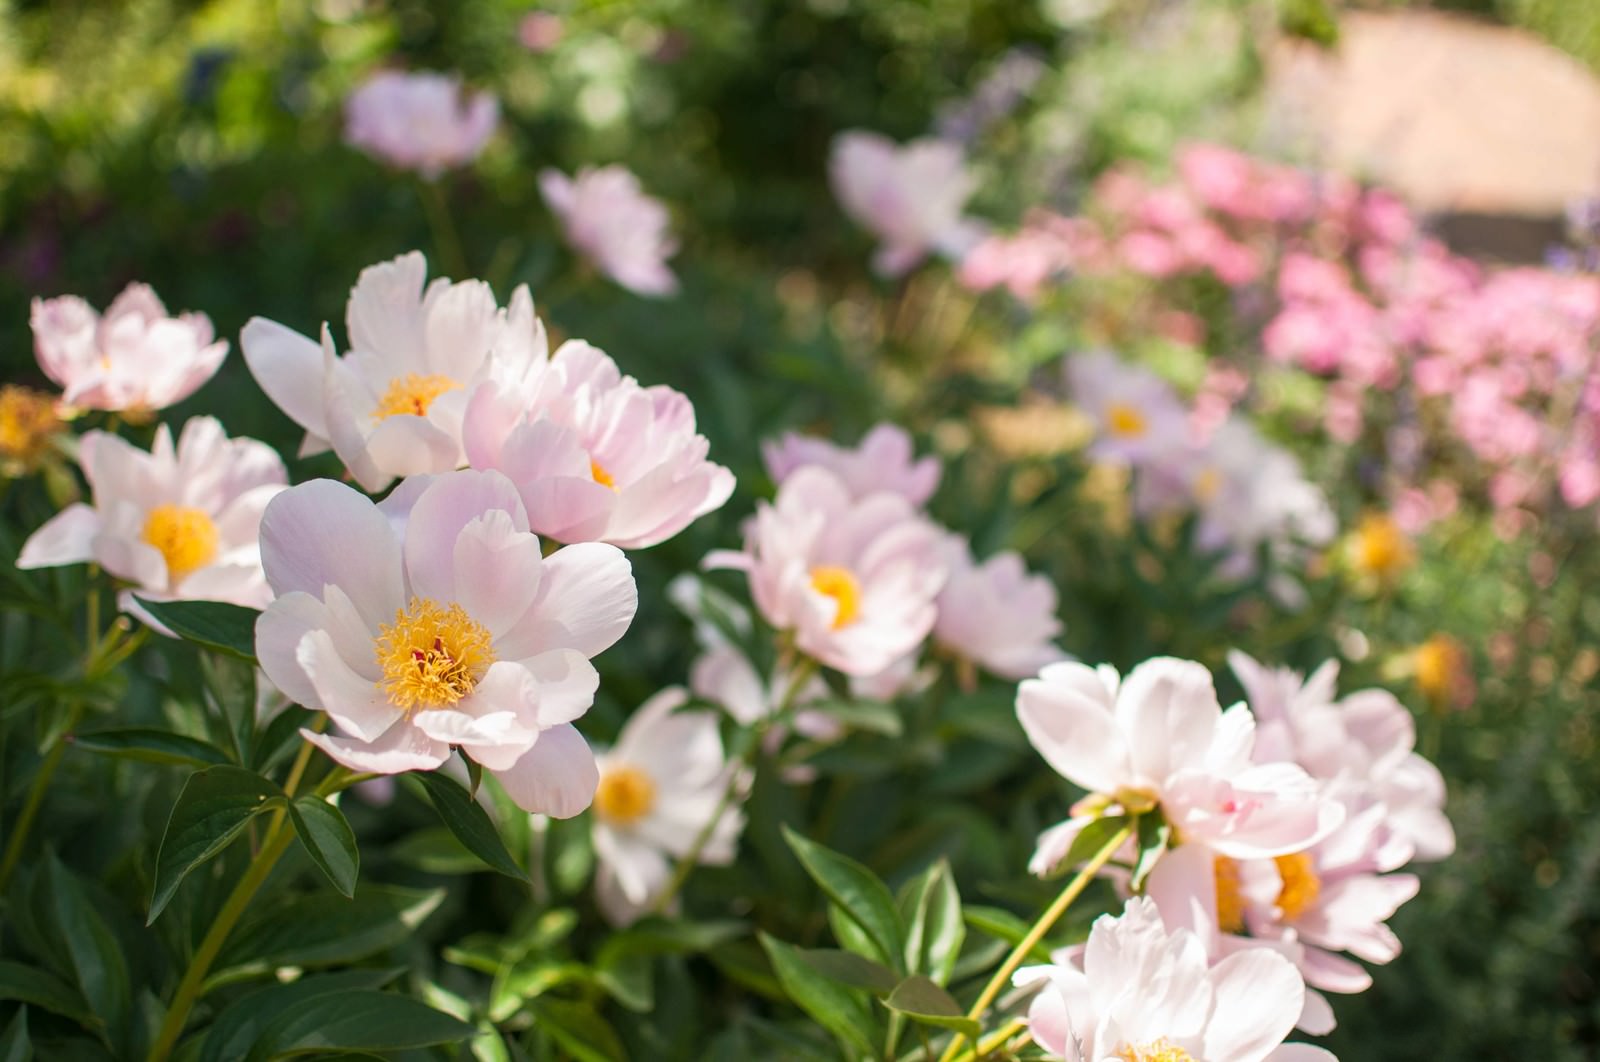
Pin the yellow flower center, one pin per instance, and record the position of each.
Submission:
(1207, 485)
(1301, 886)
(432, 655)
(27, 420)
(1125, 420)
(412, 394)
(601, 476)
(185, 537)
(1379, 547)
(1230, 898)
(626, 794)
(1162, 1050)
(840, 585)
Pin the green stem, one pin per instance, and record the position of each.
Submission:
(1046, 921)
(35, 798)
(446, 240)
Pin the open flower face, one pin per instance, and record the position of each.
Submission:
(419, 121)
(177, 523)
(911, 197)
(607, 217)
(996, 614)
(659, 787)
(884, 460)
(434, 621)
(597, 457)
(136, 358)
(1137, 415)
(855, 580)
(392, 406)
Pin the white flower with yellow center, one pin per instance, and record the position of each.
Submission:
(393, 405)
(659, 787)
(178, 523)
(1138, 417)
(434, 621)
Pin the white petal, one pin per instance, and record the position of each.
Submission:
(288, 367)
(587, 599)
(402, 748)
(1258, 998)
(441, 512)
(66, 538)
(567, 685)
(357, 704)
(324, 533)
(557, 777)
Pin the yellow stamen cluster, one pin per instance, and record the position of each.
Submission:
(1230, 897)
(432, 655)
(1301, 886)
(184, 536)
(27, 420)
(598, 472)
(1125, 421)
(1162, 1050)
(841, 585)
(412, 394)
(1379, 549)
(626, 795)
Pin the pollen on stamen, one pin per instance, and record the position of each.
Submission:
(412, 395)
(1162, 1050)
(1125, 420)
(186, 538)
(432, 655)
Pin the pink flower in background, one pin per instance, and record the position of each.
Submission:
(435, 621)
(393, 405)
(855, 579)
(884, 460)
(540, 31)
(996, 614)
(135, 358)
(177, 523)
(596, 456)
(1137, 414)
(607, 218)
(1043, 250)
(911, 197)
(419, 121)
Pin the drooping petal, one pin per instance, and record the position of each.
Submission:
(401, 748)
(66, 538)
(557, 777)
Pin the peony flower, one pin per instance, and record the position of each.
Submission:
(1137, 415)
(910, 196)
(419, 121)
(135, 358)
(996, 614)
(607, 218)
(1148, 995)
(1443, 671)
(884, 460)
(597, 457)
(29, 423)
(660, 785)
(1378, 549)
(1159, 739)
(392, 406)
(178, 524)
(434, 621)
(855, 580)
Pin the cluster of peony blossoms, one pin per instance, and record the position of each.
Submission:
(1287, 820)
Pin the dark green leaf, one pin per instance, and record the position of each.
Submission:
(238, 1027)
(839, 1009)
(318, 930)
(469, 822)
(95, 954)
(875, 717)
(1088, 844)
(935, 933)
(1154, 833)
(151, 746)
(629, 978)
(856, 890)
(328, 839)
(356, 1019)
(998, 922)
(436, 851)
(29, 984)
(578, 1029)
(850, 935)
(280, 737)
(230, 696)
(216, 625)
(848, 968)
(921, 1000)
(14, 1043)
(212, 810)
(660, 936)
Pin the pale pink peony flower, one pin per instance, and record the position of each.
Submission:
(434, 621)
(1159, 739)
(854, 579)
(996, 614)
(1137, 415)
(178, 524)
(1146, 993)
(393, 405)
(419, 121)
(660, 785)
(884, 460)
(608, 218)
(911, 197)
(596, 456)
(135, 358)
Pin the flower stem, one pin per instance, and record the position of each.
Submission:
(1046, 921)
(445, 238)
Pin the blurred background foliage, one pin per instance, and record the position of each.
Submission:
(196, 146)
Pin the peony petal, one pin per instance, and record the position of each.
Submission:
(288, 367)
(279, 631)
(66, 538)
(357, 704)
(439, 516)
(1258, 996)
(587, 598)
(1076, 735)
(567, 685)
(497, 570)
(401, 748)
(324, 533)
(557, 777)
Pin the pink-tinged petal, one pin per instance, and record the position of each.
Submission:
(240, 520)
(1301, 1053)
(1055, 843)
(1333, 973)
(288, 367)
(557, 777)
(497, 570)
(496, 740)
(323, 533)
(587, 598)
(279, 631)
(1184, 888)
(404, 445)
(1168, 710)
(1076, 736)
(383, 314)
(66, 538)
(1258, 996)
(1061, 1016)
(1316, 1016)
(492, 413)
(131, 559)
(401, 748)
(567, 685)
(359, 705)
(439, 516)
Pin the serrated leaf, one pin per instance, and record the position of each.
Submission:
(356, 1019)
(149, 745)
(471, 825)
(317, 930)
(328, 840)
(42, 989)
(14, 1043)
(921, 1000)
(856, 890)
(1153, 837)
(835, 1007)
(216, 625)
(848, 968)
(238, 1027)
(211, 811)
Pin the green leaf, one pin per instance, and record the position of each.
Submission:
(629, 978)
(356, 1019)
(229, 686)
(151, 746)
(216, 625)
(661, 936)
(29, 984)
(237, 1028)
(280, 737)
(93, 951)
(935, 933)
(923, 1001)
(1000, 923)
(874, 717)
(856, 890)
(578, 1029)
(212, 810)
(14, 1043)
(848, 968)
(1088, 844)
(466, 819)
(835, 1007)
(435, 850)
(1154, 835)
(328, 839)
(316, 930)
